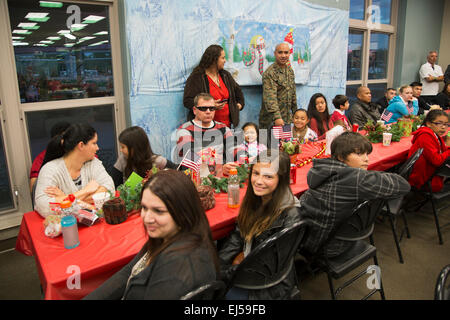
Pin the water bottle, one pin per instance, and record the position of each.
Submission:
(70, 232)
(233, 189)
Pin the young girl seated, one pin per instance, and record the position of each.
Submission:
(401, 105)
(319, 115)
(70, 167)
(268, 207)
(136, 155)
(179, 255)
(338, 184)
(300, 129)
(251, 146)
(435, 151)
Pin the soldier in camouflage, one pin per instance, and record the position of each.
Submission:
(279, 100)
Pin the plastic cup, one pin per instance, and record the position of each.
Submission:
(99, 199)
(380, 122)
(387, 137)
(355, 127)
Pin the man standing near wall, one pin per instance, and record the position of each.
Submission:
(430, 76)
(279, 99)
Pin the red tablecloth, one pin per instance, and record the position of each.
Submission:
(104, 249)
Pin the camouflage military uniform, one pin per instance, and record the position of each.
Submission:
(279, 97)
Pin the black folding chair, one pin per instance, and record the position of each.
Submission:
(210, 291)
(436, 197)
(271, 261)
(442, 289)
(357, 227)
(395, 207)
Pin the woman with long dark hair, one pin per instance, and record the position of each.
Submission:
(320, 117)
(268, 207)
(179, 255)
(136, 155)
(209, 76)
(70, 167)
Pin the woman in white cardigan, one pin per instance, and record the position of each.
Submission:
(70, 167)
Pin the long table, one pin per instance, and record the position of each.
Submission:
(104, 249)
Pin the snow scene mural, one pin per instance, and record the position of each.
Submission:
(249, 49)
(166, 39)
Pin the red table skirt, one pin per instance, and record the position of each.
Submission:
(104, 249)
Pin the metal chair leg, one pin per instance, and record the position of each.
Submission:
(397, 243)
(330, 283)
(408, 235)
(436, 221)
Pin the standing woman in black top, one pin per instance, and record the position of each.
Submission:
(210, 77)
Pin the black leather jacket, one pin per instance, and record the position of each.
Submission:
(235, 243)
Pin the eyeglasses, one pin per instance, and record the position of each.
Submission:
(441, 124)
(204, 108)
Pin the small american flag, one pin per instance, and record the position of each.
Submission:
(192, 161)
(282, 132)
(387, 115)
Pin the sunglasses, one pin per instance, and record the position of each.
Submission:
(203, 109)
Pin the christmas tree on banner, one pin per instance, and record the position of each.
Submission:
(289, 39)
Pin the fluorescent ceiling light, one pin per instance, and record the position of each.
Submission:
(54, 38)
(27, 25)
(69, 44)
(21, 31)
(101, 33)
(37, 16)
(77, 26)
(63, 31)
(40, 45)
(18, 38)
(87, 38)
(98, 43)
(47, 41)
(50, 4)
(17, 43)
(69, 36)
(92, 19)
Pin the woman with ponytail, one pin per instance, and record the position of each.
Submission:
(70, 167)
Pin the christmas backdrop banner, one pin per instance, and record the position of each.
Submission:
(249, 48)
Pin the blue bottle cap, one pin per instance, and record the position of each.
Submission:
(68, 221)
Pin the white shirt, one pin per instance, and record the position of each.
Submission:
(430, 88)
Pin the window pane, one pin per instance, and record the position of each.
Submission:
(377, 90)
(101, 118)
(6, 197)
(350, 92)
(381, 11)
(57, 57)
(354, 55)
(357, 8)
(378, 56)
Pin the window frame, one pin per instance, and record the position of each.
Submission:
(15, 133)
(368, 29)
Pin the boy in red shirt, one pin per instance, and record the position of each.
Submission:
(341, 104)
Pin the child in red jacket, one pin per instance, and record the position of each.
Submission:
(435, 150)
(341, 104)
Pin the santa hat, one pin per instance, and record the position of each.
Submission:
(289, 39)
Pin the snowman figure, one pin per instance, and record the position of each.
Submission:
(257, 62)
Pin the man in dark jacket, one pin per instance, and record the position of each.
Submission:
(383, 102)
(338, 184)
(363, 109)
